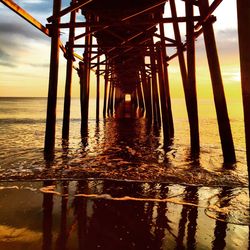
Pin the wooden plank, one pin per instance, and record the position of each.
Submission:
(25, 15)
(69, 9)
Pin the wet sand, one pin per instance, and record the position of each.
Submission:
(108, 214)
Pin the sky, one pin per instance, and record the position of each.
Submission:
(25, 51)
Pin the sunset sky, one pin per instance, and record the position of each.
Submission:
(24, 53)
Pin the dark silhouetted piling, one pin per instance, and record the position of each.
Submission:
(166, 80)
(147, 94)
(53, 82)
(106, 76)
(84, 70)
(191, 79)
(156, 107)
(162, 91)
(98, 89)
(218, 90)
(69, 67)
(243, 9)
(140, 97)
(192, 113)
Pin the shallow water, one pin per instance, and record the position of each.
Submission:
(98, 214)
(124, 179)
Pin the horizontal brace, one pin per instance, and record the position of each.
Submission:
(115, 24)
(122, 46)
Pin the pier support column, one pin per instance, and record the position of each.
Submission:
(112, 99)
(98, 89)
(53, 82)
(218, 90)
(166, 80)
(156, 107)
(147, 94)
(192, 113)
(105, 90)
(140, 97)
(84, 69)
(109, 97)
(67, 95)
(164, 107)
(243, 9)
(191, 79)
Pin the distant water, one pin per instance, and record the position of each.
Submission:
(117, 148)
(117, 188)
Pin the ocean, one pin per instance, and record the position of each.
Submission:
(118, 187)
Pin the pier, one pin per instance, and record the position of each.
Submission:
(126, 44)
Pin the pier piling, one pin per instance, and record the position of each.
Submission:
(218, 90)
(53, 82)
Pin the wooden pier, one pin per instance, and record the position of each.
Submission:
(130, 51)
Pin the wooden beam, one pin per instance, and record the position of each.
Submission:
(191, 81)
(166, 38)
(184, 75)
(144, 10)
(166, 80)
(25, 15)
(72, 7)
(68, 83)
(53, 83)
(154, 21)
(218, 89)
(243, 10)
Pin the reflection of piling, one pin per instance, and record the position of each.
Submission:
(53, 81)
(189, 214)
(47, 218)
(63, 235)
(81, 215)
(219, 96)
(220, 230)
(243, 8)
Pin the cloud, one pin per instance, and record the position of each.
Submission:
(8, 64)
(17, 39)
(36, 6)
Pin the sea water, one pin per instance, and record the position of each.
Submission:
(118, 187)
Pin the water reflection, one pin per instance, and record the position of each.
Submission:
(98, 214)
